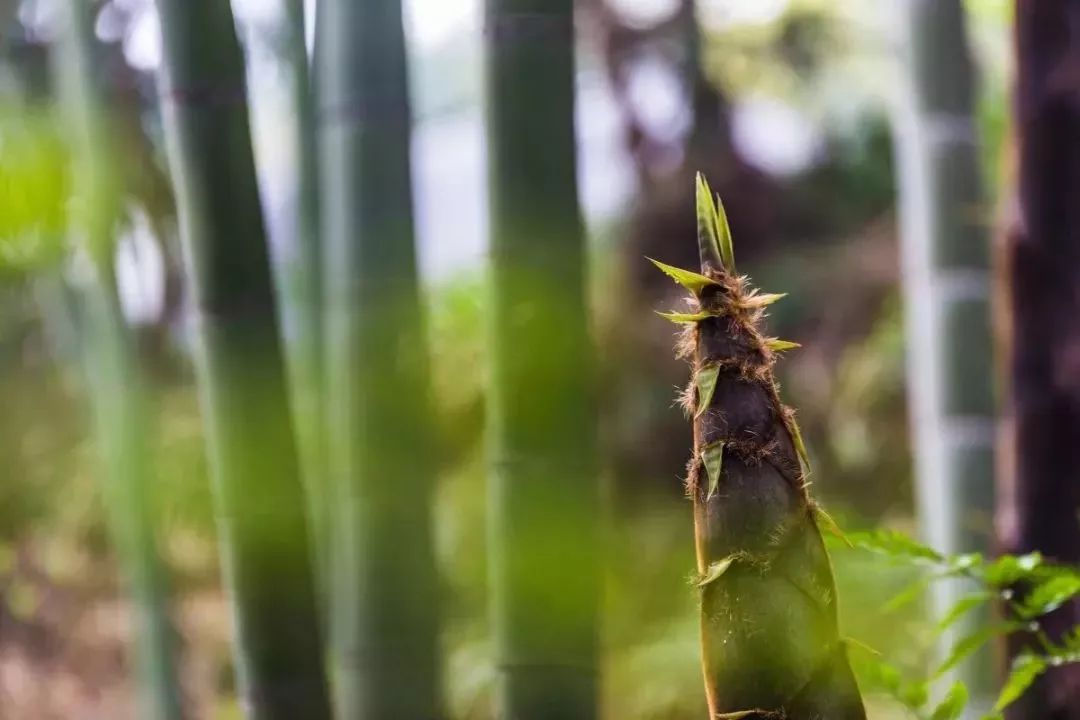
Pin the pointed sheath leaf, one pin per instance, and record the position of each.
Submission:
(705, 379)
(692, 281)
(1025, 669)
(953, 704)
(707, 229)
(716, 570)
(830, 525)
(777, 345)
(723, 231)
(713, 457)
(800, 446)
(686, 318)
(763, 299)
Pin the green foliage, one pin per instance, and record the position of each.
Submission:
(33, 190)
(1029, 589)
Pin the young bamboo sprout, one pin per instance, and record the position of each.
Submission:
(770, 643)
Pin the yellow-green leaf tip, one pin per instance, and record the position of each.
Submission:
(692, 281)
(685, 318)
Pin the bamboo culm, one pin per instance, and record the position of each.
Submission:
(544, 494)
(255, 472)
(386, 609)
(945, 250)
(112, 377)
(771, 648)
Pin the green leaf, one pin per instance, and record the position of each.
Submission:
(912, 592)
(953, 704)
(705, 379)
(1025, 669)
(707, 229)
(686, 318)
(778, 345)
(1050, 594)
(716, 570)
(895, 545)
(692, 281)
(963, 606)
(713, 457)
(727, 248)
(970, 643)
(1008, 569)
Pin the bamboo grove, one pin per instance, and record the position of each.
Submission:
(322, 443)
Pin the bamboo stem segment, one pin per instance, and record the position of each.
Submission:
(253, 460)
(544, 494)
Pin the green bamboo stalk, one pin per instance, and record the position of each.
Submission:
(382, 457)
(112, 375)
(946, 258)
(256, 478)
(302, 296)
(544, 540)
(771, 648)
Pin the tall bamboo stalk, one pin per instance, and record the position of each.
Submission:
(1041, 423)
(770, 642)
(544, 492)
(255, 471)
(386, 618)
(303, 292)
(945, 252)
(112, 376)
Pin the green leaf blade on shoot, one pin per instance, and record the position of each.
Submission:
(707, 232)
(778, 345)
(723, 231)
(1025, 670)
(952, 705)
(713, 459)
(763, 299)
(830, 524)
(686, 318)
(716, 570)
(692, 281)
(800, 446)
(705, 380)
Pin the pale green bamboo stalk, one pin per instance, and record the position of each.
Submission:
(112, 376)
(945, 252)
(253, 460)
(386, 615)
(544, 494)
(302, 293)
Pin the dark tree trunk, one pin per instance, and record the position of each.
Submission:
(1041, 492)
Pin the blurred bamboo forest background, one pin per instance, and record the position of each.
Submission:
(416, 194)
